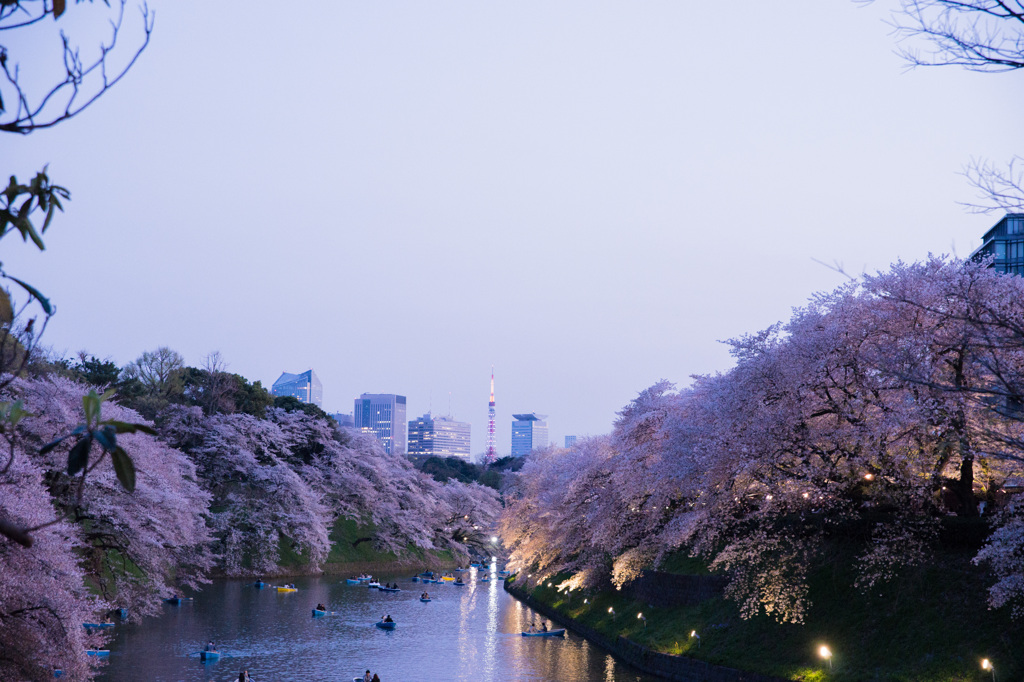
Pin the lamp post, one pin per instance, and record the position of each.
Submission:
(640, 616)
(694, 635)
(826, 654)
(987, 665)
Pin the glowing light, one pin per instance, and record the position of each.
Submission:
(806, 495)
(869, 477)
(986, 664)
(693, 633)
(586, 601)
(824, 652)
(639, 616)
(611, 610)
(494, 538)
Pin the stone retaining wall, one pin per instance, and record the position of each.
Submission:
(671, 667)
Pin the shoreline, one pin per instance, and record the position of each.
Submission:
(665, 666)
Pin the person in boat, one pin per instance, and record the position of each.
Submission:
(367, 677)
(321, 607)
(389, 619)
(544, 627)
(210, 646)
(375, 678)
(244, 676)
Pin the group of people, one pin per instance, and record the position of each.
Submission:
(389, 586)
(543, 627)
(387, 619)
(368, 678)
(210, 646)
(321, 607)
(424, 596)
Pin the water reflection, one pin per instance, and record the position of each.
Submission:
(465, 633)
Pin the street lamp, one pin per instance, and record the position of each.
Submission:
(694, 635)
(826, 654)
(494, 538)
(640, 616)
(987, 665)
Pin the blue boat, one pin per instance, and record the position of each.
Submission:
(415, 578)
(177, 601)
(386, 626)
(91, 626)
(58, 673)
(424, 600)
(459, 583)
(259, 584)
(97, 652)
(317, 613)
(209, 655)
(352, 581)
(475, 565)
(549, 633)
(389, 589)
(427, 574)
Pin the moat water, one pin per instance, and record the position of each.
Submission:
(464, 633)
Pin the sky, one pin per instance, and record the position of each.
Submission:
(589, 196)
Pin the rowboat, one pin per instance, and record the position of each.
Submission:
(485, 580)
(459, 583)
(287, 589)
(415, 578)
(317, 613)
(424, 600)
(474, 565)
(386, 626)
(259, 584)
(389, 589)
(427, 574)
(90, 626)
(177, 600)
(209, 655)
(373, 585)
(365, 578)
(549, 633)
(448, 579)
(97, 652)
(351, 581)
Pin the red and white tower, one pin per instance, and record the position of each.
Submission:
(492, 454)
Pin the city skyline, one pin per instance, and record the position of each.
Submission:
(589, 204)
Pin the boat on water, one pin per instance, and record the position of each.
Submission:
(459, 583)
(92, 626)
(415, 579)
(485, 580)
(383, 625)
(448, 579)
(427, 574)
(317, 613)
(474, 565)
(352, 581)
(259, 584)
(286, 588)
(97, 652)
(549, 633)
(460, 569)
(365, 578)
(389, 589)
(374, 584)
(209, 655)
(177, 601)
(424, 600)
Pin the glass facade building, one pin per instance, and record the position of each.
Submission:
(570, 441)
(431, 436)
(529, 432)
(306, 387)
(1005, 242)
(383, 415)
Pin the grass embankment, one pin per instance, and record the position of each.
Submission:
(348, 553)
(930, 624)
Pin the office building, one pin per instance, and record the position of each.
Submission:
(431, 436)
(344, 419)
(529, 432)
(1005, 241)
(570, 441)
(383, 415)
(306, 387)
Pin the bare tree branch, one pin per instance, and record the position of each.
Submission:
(84, 81)
(981, 35)
(999, 189)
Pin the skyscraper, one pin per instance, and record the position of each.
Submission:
(570, 441)
(529, 432)
(383, 415)
(306, 387)
(438, 437)
(492, 452)
(1005, 241)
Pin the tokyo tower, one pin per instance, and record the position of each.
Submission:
(491, 452)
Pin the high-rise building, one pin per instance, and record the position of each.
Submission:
(1005, 241)
(529, 432)
(306, 387)
(570, 441)
(431, 436)
(383, 415)
(343, 419)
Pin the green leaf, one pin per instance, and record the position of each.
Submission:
(106, 437)
(34, 293)
(126, 427)
(124, 468)
(51, 445)
(78, 458)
